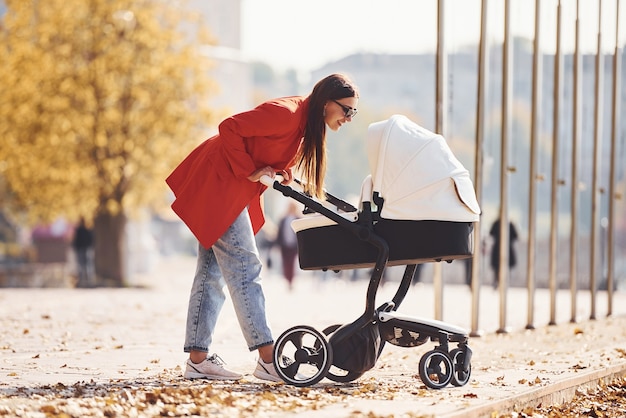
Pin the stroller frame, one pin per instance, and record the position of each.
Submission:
(437, 367)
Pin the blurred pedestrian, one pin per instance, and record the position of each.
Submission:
(82, 243)
(288, 243)
(218, 196)
(494, 232)
(265, 239)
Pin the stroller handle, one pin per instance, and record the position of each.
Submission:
(268, 181)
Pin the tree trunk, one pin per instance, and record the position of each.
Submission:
(109, 249)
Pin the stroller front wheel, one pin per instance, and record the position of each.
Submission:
(435, 369)
(302, 356)
(460, 377)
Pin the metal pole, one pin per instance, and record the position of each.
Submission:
(533, 176)
(440, 128)
(554, 212)
(483, 54)
(615, 133)
(597, 146)
(503, 272)
(576, 129)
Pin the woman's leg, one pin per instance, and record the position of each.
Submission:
(205, 303)
(238, 257)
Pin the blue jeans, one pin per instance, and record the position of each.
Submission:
(234, 261)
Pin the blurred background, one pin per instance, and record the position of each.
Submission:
(100, 100)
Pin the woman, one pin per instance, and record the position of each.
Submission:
(218, 196)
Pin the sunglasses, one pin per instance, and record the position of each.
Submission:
(348, 111)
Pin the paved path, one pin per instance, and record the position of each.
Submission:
(51, 336)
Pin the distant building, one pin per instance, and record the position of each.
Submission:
(231, 72)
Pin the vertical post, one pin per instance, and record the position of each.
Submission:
(440, 128)
(597, 147)
(503, 272)
(615, 133)
(576, 133)
(533, 175)
(483, 54)
(554, 210)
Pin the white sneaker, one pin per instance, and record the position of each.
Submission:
(266, 371)
(210, 368)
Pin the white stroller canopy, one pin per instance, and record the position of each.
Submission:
(417, 175)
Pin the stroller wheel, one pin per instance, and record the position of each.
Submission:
(435, 369)
(460, 377)
(337, 374)
(302, 356)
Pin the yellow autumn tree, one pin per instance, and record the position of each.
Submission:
(99, 100)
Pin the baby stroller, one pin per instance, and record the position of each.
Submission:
(418, 205)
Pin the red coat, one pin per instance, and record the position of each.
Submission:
(211, 185)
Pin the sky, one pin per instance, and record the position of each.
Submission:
(306, 34)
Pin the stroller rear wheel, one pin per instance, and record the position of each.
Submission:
(435, 369)
(460, 377)
(337, 374)
(302, 356)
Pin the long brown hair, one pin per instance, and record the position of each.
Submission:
(312, 156)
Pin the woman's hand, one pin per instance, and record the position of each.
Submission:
(287, 176)
(264, 171)
(271, 172)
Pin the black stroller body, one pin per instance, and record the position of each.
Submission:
(387, 230)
